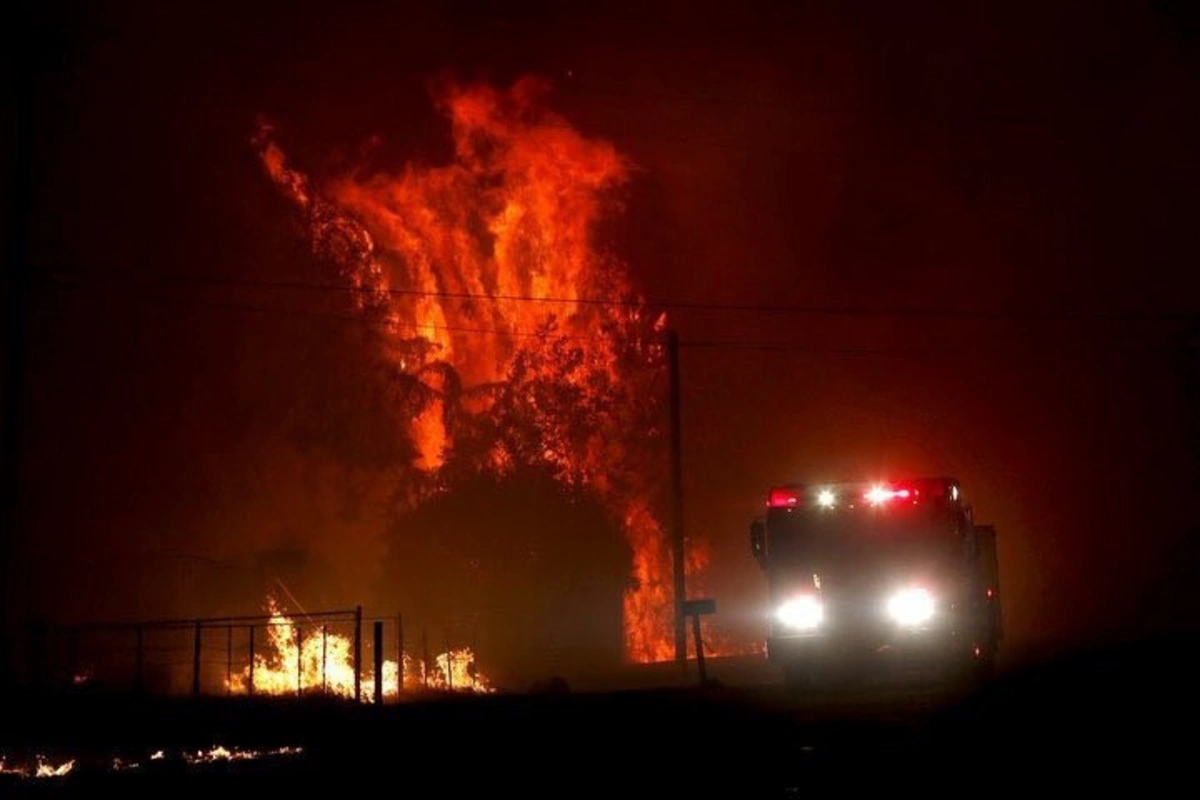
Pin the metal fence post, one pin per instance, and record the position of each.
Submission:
(250, 685)
(37, 655)
(358, 654)
(299, 661)
(425, 657)
(53, 654)
(229, 660)
(378, 662)
(73, 655)
(139, 661)
(399, 655)
(196, 661)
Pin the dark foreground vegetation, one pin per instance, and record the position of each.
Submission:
(1116, 714)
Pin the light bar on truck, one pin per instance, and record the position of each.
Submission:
(878, 494)
(832, 496)
(784, 497)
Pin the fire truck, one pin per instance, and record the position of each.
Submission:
(862, 576)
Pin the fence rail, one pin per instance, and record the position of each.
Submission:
(322, 653)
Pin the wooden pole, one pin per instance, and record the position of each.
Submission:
(324, 659)
(699, 647)
(22, 138)
(229, 660)
(677, 538)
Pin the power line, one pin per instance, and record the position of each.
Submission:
(372, 321)
(387, 323)
(697, 344)
(990, 111)
(711, 306)
(930, 352)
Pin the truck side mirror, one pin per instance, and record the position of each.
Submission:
(758, 541)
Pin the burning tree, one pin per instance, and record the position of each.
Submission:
(512, 339)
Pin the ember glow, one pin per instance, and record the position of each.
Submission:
(41, 768)
(222, 753)
(481, 275)
(324, 664)
(47, 770)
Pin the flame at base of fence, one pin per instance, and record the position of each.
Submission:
(323, 663)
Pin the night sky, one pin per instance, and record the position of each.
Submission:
(987, 216)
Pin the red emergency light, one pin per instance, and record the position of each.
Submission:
(784, 497)
(879, 494)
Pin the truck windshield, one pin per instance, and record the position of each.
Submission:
(823, 535)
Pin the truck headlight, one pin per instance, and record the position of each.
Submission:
(802, 612)
(911, 607)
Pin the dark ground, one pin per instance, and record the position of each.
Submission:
(1089, 720)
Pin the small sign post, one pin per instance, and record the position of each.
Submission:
(696, 609)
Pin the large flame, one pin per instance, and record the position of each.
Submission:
(482, 275)
(315, 660)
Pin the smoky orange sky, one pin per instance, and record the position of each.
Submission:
(981, 222)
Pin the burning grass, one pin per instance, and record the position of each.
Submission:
(323, 663)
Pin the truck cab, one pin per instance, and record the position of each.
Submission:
(863, 574)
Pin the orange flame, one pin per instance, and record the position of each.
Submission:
(221, 753)
(474, 270)
(322, 662)
(41, 768)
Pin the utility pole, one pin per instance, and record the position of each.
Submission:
(15, 288)
(677, 539)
